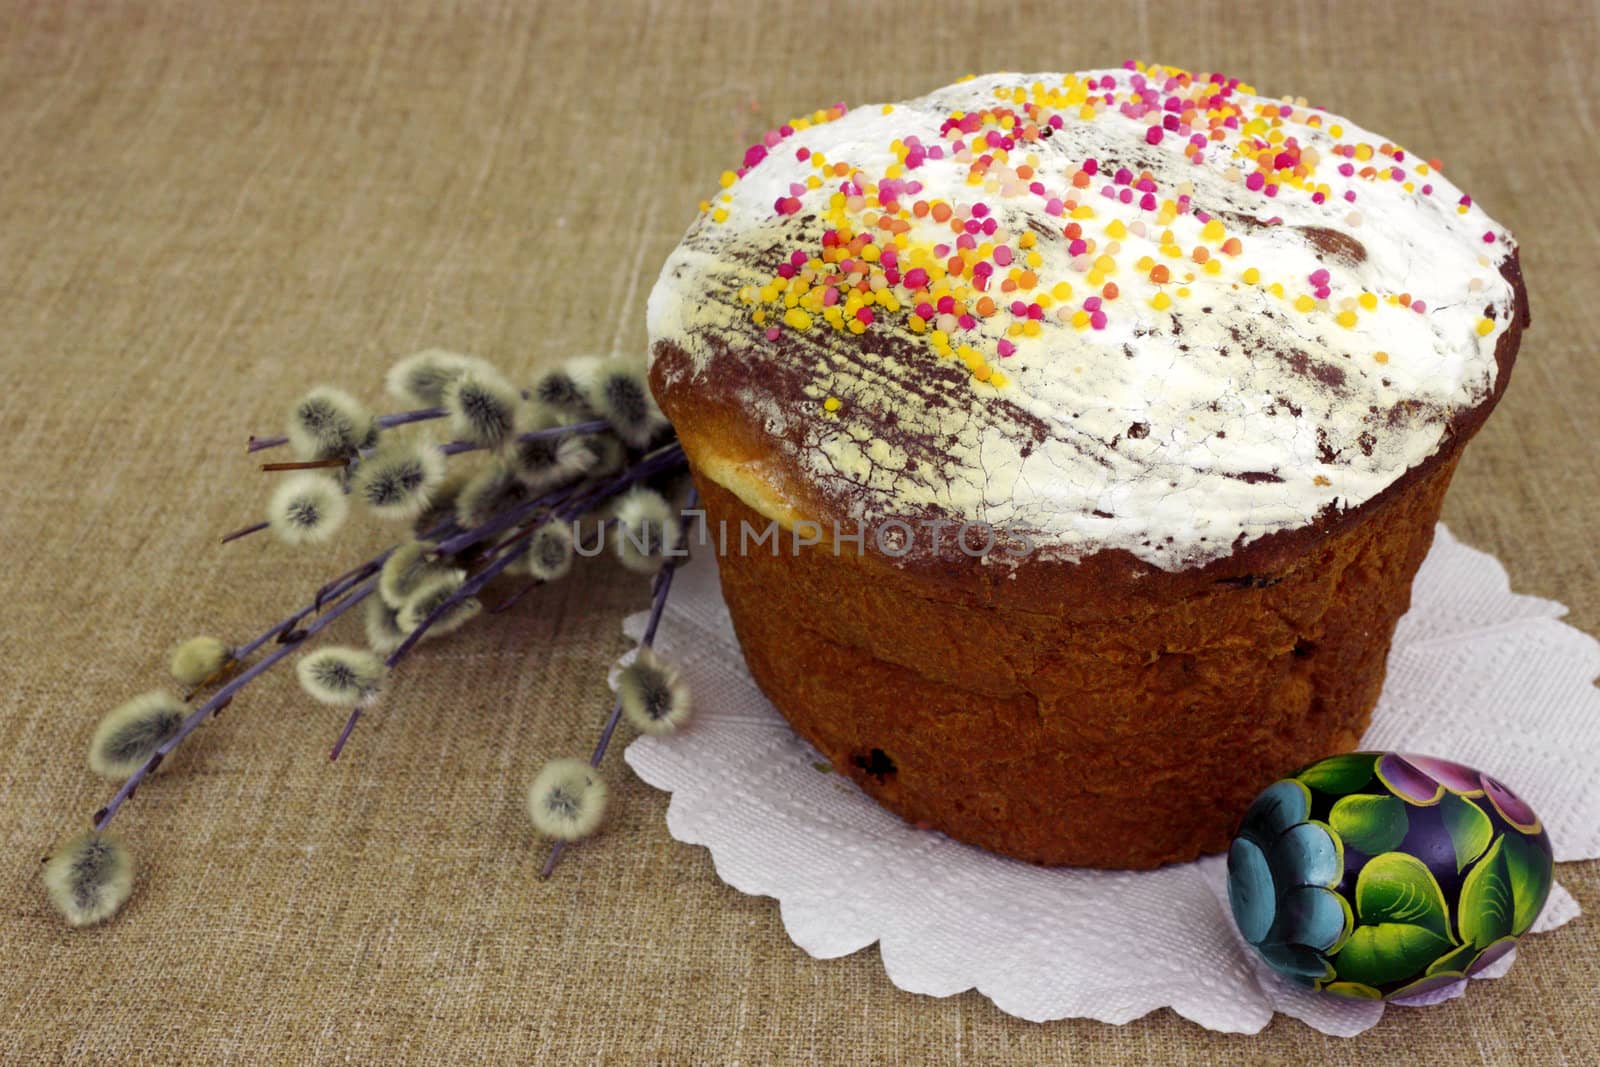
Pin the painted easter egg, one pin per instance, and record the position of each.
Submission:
(1385, 875)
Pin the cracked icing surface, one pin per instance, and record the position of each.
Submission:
(1181, 319)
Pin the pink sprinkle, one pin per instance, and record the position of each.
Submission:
(1350, 195)
(1254, 181)
(917, 278)
(947, 305)
(802, 153)
(1092, 304)
(1097, 319)
(772, 333)
(941, 250)
(1418, 306)
(1002, 256)
(785, 270)
(1126, 196)
(1019, 309)
(771, 137)
(1153, 135)
(967, 322)
(1271, 190)
(1091, 167)
(924, 310)
(1427, 190)
(1320, 276)
(1053, 206)
(1488, 237)
(966, 240)
(1078, 247)
(1036, 188)
(980, 210)
(1317, 198)
(755, 154)
(864, 316)
(1347, 169)
(1123, 176)
(890, 257)
(796, 189)
(787, 205)
(1465, 201)
(1005, 347)
(797, 257)
(830, 296)
(1035, 311)
(1148, 201)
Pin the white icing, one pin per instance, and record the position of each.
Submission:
(1222, 408)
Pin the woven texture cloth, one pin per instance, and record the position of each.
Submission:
(205, 207)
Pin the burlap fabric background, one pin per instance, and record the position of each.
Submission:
(206, 207)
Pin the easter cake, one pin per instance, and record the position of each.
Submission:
(1103, 420)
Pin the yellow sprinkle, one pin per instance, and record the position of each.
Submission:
(832, 404)
(1347, 319)
(1304, 303)
(1381, 357)
(1161, 301)
(1485, 327)
(888, 109)
(1252, 276)
(1062, 291)
(1368, 301)
(1116, 230)
(1213, 231)
(728, 178)
(1080, 319)
(1183, 291)
(797, 319)
(1027, 240)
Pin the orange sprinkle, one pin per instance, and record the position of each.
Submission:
(1160, 274)
(941, 213)
(1232, 246)
(1110, 291)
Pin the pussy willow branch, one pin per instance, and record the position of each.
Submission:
(401, 418)
(662, 460)
(662, 586)
(222, 696)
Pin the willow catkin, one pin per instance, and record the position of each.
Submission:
(567, 800)
(198, 659)
(482, 406)
(421, 378)
(341, 675)
(653, 695)
(647, 530)
(307, 508)
(327, 423)
(89, 877)
(130, 733)
(397, 481)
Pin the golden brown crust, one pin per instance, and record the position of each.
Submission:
(1131, 735)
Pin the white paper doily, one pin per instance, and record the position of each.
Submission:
(1477, 673)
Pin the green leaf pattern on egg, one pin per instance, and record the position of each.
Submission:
(1377, 874)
